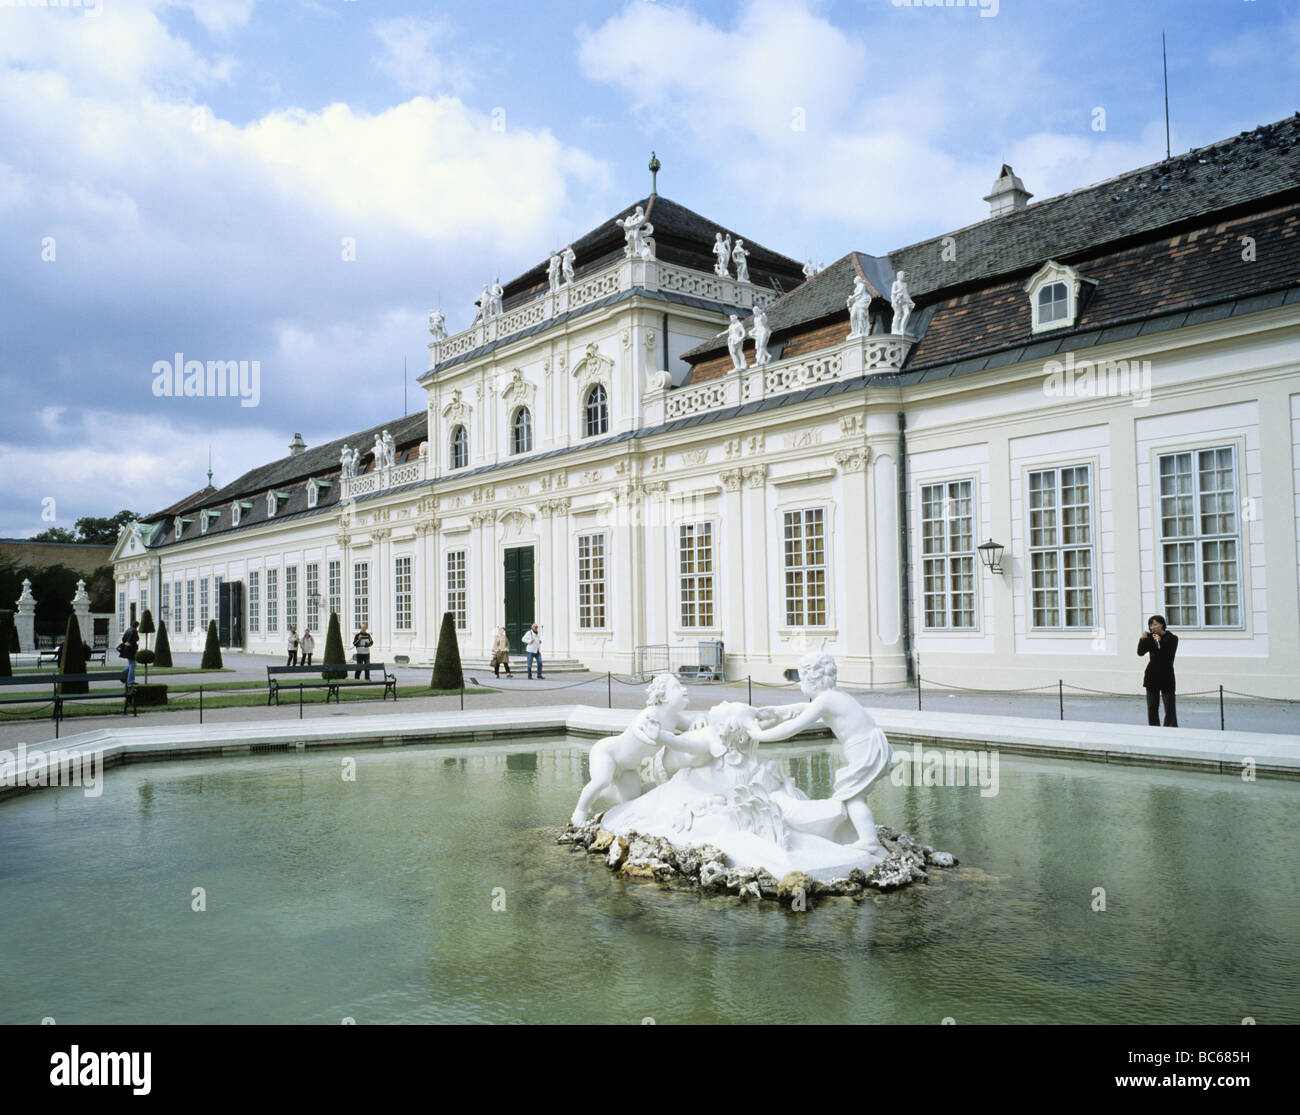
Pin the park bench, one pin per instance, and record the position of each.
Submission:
(43, 656)
(55, 681)
(330, 685)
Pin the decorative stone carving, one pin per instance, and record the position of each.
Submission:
(381, 534)
(852, 424)
(553, 272)
(591, 476)
(655, 462)
(484, 495)
(852, 460)
(659, 381)
(636, 230)
(740, 258)
(567, 259)
(762, 333)
(695, 457)
(756, 475)
(655, 487)
(722, 255)
(809, 269)
(517, 491)
(497, 295)
(731, 479)
(554, 480)
(650, 340)
(390, 449)
(438, 325)
(518, 391)
(456, 410)
(347, 462)
(736, 343)
(801, 439)
(902, 303)
(593, 368)
(515, 521)
(859, 304)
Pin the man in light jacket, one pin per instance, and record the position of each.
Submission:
(292, 646)
(307, 645)
(533, 649)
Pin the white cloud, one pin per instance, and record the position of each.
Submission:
(220, 17)
(415, 53)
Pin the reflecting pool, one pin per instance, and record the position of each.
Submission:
(374, 900)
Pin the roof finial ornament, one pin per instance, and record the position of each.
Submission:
(209, 466)
(654, 175)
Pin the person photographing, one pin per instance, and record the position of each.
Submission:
(1161, 645)
(362, 642)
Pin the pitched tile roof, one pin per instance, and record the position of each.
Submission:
(1177, 193)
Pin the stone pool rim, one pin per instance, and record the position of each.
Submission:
(1275, 755)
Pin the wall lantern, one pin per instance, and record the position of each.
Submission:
(991, 555)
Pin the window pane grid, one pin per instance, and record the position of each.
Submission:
(1200, 539)
(591, 580)
(402, 594)
(456, 588)
(804, 548)
(1061, 560)
(360, 594)
(948, 549)
(695, 547)
(291, 596)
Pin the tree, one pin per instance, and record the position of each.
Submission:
(334, 655)
(446, 659)
(6, 628)
(146, 627)
(211, 652)
(103, 532)
(163, 649)
(101, 587)
(73, 658)
(55, 534)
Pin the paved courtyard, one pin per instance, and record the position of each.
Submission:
(600, 691)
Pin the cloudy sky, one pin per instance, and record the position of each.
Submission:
(186, 176)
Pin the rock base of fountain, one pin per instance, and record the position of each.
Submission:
(703, 867)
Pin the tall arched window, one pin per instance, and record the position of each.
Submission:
(459, 447)
(597, 411)
(521, 432)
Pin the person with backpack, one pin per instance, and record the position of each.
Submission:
(127, 649)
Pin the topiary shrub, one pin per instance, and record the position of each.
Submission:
(162, 649)
(334, 655)
(145, 626)
(150, 694)
(212, 650)
(145, 658)
(446, 660)
(73, 658)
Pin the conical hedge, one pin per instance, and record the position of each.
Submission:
(334, 655)
(163, 650)
(446, 660)
(73, 658)
(212, 651)
(146, 625)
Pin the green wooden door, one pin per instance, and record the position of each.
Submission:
(519, 595)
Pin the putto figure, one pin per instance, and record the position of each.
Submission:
(722, 254)
(740, 258)
(736, 342)
(859, 304)
(902, 302)
(762, 333)
(637, 231)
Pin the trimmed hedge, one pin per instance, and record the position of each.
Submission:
(334, 655)
(212, 650)
(163, 648)
(73, 658)
(446, 660)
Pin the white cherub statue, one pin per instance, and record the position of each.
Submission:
(615, 761)
(866, 748)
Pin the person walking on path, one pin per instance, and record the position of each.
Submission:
(533, 649)
(307, 644)
(129, 645)
(501, 653)
(1161, 645)
(362, 642)
(293, 646)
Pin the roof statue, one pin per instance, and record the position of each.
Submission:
(761, 333)
(553, 272)
(736, 342)
(637, 229)
(722, 249)
(438, 325)
(902, 303)
(859, 304)
(741, 259)
(567, 259)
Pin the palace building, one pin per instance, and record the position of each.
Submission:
(996, 452)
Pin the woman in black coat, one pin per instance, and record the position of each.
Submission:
(1158, 681)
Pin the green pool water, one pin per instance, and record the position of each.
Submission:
(373, 900)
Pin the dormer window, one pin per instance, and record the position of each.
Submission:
(270, 504)
(180, 527)
(237, 510)
(206, 519)
(1055, 296)
(314, 487)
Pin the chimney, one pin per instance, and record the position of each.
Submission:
(1008, 193)
(297, 446)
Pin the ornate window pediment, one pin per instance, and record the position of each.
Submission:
(593, 368)
(518, 391)
(1055, 294)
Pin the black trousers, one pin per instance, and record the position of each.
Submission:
(363, 663)
(1153, 708)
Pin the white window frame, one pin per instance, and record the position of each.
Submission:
(1199, 539)
(587, 431)
(254, 602)
(692, 580)
(456, 565)
(1046, 276)
(290, 597)
(516, 448)
(273, 601)
(593, 584)
(312, 584)
(946, 558)
(334, 599)
(205, 606)
(451, 447)
(361, 595)
(798, 618)
(403, 592)
(1060, 547)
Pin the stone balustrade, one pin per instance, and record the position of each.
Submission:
(622, 275)
(381, 479)
(853, 357)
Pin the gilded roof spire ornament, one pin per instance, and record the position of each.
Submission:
(654, 175)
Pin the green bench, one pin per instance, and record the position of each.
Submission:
(332, 686)
(56, 681)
